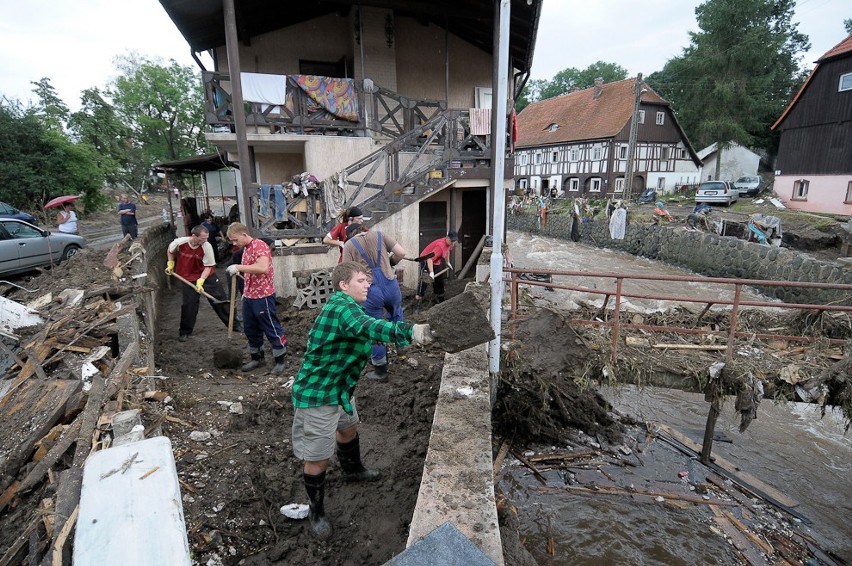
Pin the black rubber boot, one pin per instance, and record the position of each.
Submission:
(255, 362)
(349, 455)
(378, 373)
(315, 486)
(278, 368)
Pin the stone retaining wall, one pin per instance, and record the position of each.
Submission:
(706, 254)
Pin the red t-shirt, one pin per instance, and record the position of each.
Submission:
(441, 249)
(258, 285)
(339, 233)
(190, 262)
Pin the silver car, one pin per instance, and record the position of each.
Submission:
(721, 192)
(24, 247)
(747, 186)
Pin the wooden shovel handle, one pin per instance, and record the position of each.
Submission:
(233, 303)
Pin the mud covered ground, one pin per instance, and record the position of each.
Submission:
(235, 483)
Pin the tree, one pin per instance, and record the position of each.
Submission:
(847, 23)
(98, 125)
(570, 79)
(163, 108)
(738, 73)
(40, 163)
(50, 109)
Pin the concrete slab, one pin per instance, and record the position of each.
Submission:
(458, 484)
(130, 508)
(446, 546)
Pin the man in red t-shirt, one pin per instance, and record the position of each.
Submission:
(337, 236)
(259, 316)
(442, 248)
(192, 258)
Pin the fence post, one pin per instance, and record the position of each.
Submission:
(615, 318)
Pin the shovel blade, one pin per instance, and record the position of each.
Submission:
(460, 323)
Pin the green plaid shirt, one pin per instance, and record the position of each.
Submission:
(339, 346)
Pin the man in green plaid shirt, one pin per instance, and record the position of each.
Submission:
(339, 346)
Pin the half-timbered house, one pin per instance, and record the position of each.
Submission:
(577, 144)
(813, 170)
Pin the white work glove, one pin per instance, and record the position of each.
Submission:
(450, 265)
(233, 269)
(432, 275)
(422, 334)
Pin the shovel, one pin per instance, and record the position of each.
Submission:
(233, 303)
(191, 284)
(421, 258)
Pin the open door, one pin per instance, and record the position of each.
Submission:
(473, 224)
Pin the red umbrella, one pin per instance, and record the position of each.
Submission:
(59, 201)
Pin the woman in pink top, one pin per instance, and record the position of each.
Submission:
(337, 236)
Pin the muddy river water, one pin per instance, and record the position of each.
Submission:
(788, 446)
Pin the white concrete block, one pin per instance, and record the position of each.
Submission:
(129, 514)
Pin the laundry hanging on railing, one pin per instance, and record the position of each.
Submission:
(264, 88)
(480, 121)
(272, 202)
(329, 97)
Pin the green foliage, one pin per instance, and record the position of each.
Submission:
(847, 23)
(569, 79)
(163, 108)
(40, 163)
(50, 109)
(738, 73)
(97, 124)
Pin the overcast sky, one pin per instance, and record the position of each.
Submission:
(74, 42)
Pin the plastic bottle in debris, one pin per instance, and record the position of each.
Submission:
(166, 219)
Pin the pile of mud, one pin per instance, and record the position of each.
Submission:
(546, 386)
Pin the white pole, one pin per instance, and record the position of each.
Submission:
(498, 158)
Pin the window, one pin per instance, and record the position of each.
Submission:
(574, 155)
(595, 185)
(574, 184)
(619, 185)
(800, 189)
(553, 127)
(849, 192)
(596, 152)
(523, 159)
(522, 183)
(641, 116)
(664, 154)
(661, 118)
(845, 82)
(622, 152)
(554, 157)
(538, 159)
(661, 183)
(682, 153)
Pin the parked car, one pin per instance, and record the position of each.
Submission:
(720, 192)
(24, 247)
(9, 211)
(747, 186)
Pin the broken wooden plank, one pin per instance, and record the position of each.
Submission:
(18, 545)
(26, 415)
(731, 470)
(562, 456)
(707, 347)
(740, 542)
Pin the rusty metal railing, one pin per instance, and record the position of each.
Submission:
(736, 303)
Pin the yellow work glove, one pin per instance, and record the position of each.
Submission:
(170, 267)
(199, 285)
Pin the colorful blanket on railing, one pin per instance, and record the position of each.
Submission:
(328, 97)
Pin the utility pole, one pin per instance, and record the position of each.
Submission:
(631, 140)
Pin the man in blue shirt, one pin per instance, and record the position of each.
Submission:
(127, 216)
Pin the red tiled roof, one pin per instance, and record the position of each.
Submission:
(841, 48)
(844, 46)
(580, 116)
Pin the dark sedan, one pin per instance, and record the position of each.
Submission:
(9, 211)
(24, 247)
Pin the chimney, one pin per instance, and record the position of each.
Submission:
(598, 88)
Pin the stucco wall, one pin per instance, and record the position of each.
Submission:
(825, 193)
(707, 254)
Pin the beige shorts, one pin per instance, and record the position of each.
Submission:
(314, 430)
